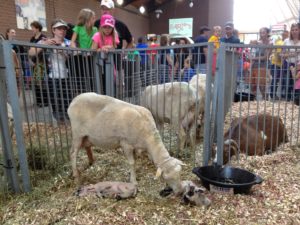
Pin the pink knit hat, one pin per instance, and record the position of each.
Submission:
(107, 20)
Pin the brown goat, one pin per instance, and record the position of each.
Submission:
(257, 134)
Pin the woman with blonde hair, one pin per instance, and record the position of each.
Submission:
(291, 58)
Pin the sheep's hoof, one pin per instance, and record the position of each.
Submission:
(76, 177)
(134, 182)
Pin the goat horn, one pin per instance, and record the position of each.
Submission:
(233, 143)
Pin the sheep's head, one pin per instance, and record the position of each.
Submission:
(171, 171)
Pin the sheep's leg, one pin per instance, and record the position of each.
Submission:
(193, 134)
(76, 143)
(181, 138)
(129, 153)
(159, 125)
(90, 155)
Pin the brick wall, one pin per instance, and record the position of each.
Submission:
(68, 11)
(205, 12)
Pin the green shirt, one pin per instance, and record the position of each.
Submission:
(83, 38)
(132, 56)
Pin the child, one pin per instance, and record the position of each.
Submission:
(82, 36)
(188, 72)
(107, 38)
(104, 40)
(84, 30)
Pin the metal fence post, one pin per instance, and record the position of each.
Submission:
(13, 94)
(225, 88)
(98, 71)
(9, 161)
(109, 75)
(207, 116)
(219, 115)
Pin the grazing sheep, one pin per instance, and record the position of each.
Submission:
(99, 120)
(173, 103)
(257, 134)
(109, 189)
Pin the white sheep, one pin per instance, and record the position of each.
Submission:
(198, 82)
(109, 189)
(174, 103)
(10, 122)
(110, 123)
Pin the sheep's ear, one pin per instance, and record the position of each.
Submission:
(182, 163)
(158, 173)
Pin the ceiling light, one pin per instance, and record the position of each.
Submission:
(191, 4)
(120, 2)
(142, 9)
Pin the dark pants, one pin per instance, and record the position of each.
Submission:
(143, 75)
(287, 81)
(41, 94)
(40, 85)
(82, 74)
(130, 78)
(60, 97)
(297, 97)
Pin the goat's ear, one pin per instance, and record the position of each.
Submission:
(158, 173)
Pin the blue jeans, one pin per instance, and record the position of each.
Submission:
(287, 81)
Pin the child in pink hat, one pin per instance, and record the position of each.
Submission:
(107, 37)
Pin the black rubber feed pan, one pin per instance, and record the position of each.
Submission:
(227, 177)
(243, 96)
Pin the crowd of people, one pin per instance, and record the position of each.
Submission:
(266, 68)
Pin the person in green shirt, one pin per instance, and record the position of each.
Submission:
(81, 66)
(84, 30)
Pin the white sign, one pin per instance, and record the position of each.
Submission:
(183, 26)
(28, 11)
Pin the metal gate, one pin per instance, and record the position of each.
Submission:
(42, 133)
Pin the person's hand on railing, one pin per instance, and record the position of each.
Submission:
(107, 48)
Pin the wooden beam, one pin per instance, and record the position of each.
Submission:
(127, 2)
(153, 5)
